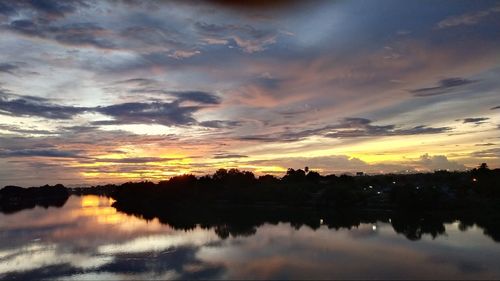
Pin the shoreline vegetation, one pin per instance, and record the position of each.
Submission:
(236, 202)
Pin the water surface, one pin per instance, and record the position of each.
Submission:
(89, 239)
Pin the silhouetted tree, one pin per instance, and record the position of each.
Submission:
(313, 176)
(294, 175)
(483, 167)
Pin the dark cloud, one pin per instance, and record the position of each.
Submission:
(83, 34)
(175, 260)
(360, 127)
(44, 9)
(138, 81)
(262, 138)
(134, 160)
(294, 112)
(197, 96)
(6, 95)
(7, 8)
(246, 37)
(154, 35)
(46, 272)
(488, 153)
(496, 107)
(163, 113)
(269, 82)
(40, 153)
(229, 29)
(220, 124)
(20, 130)
(228, 156)
(485, 144)
(258, 5)
(33, 106)
(77, 34)
(8, 68)
(78, 129)
(477, 120)
(444, 86)
(151, 86)
(350, 128)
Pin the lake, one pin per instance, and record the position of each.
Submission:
(89, 239)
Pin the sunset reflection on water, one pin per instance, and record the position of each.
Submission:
(89, 239)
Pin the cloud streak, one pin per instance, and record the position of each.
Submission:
(164, 113)
(468, 19)
(444, 86)
(52, 153)
(350, 128)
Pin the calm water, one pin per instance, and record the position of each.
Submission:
(89, 239)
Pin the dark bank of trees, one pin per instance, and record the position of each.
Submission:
(15, 198)
(441, 190)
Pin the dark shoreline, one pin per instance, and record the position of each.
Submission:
(238, 202)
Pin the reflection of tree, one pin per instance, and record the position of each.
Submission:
(244, 221)
(224, 230)
(414, 226)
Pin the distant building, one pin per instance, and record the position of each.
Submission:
(360, 174)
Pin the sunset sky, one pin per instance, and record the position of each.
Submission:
(112, 91)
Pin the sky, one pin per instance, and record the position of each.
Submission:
(112, 91)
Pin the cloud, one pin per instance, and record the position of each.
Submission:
(138, 81)
(40, 153)
(360, 127)
(345, 163)
(146, 86)
(248, 38)
(181, 54)
(349, 128)
(33, 106)
(163, 113)
(444, 87)
(256, 5)
(268, 82)
(488, 153)
(6, 8)
(485, 144)
(328, 164)
(197, 96)
(228, 156)
(219, 123)
(134, 160)
(439, 162)
(45, 9)
(75, 34)
(467, 19)
(19, 130)
(8, 68)
(496, 107)
(476, 121)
